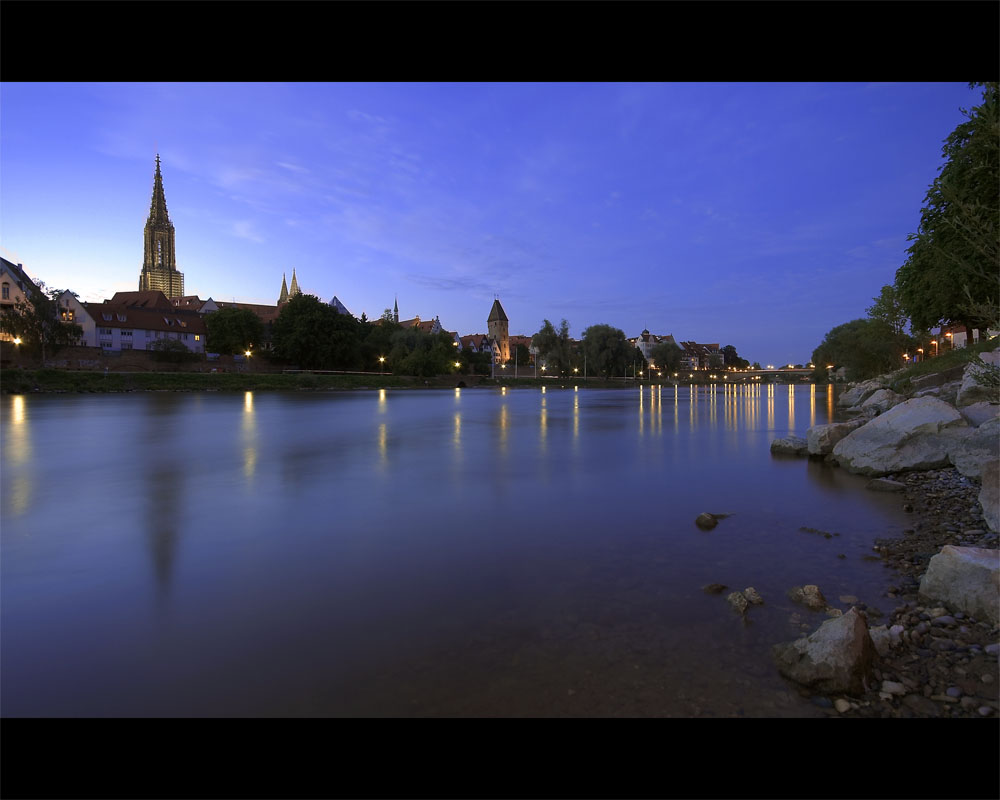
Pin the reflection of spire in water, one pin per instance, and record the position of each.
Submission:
(164, 496)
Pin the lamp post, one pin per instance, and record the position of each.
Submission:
(381, 365)
(934, 342)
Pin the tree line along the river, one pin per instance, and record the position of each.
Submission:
(951, 275)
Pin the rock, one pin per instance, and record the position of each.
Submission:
(938, 378)
(881, 640)
(978, 413)
(966, 579)
(885, 485)
(809, 596)
(859, 392)
(891, 687)
(753, 596)
(705, 521)
(738, 602)
(906, 437)
(989, 495)
(971, 391)
(714, 588)
(970, 448)
(841, 705)
(790, 445)
(838, 657)
(922, 705)
(882, 400)
(822, 438)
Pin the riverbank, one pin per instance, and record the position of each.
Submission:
(931, 436)
(24, 381)
(944, 664)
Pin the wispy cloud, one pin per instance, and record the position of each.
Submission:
(245, 229)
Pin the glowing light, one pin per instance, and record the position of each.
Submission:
(17, 340)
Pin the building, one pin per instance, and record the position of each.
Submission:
(15, 286)
(700, 356)
(525, 341)
(134, 321)
(646, 341)
(496, 329)
(159, 258)
(427, 326)
(287, 294)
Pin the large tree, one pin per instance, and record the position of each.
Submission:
(35, 320)
(732, 359)
(310, 333)
(888, 308)
(415, 352)
(952, 273)
(866, 347)
(554, 347)
(608, 352)
(666, 356)
(233, 330)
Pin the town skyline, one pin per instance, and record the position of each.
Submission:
(763, 232)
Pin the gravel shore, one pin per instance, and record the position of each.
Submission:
(945, 664)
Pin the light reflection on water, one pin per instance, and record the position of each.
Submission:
(476, 552)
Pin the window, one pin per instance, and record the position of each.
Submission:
(107, 317)
(121, 317)
(127, 333)
(105, 331)
(126, 345)
(6, 291)
(197, 338)
(67, 314)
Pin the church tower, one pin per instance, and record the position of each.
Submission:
(496, 329)
(159, 259)
(395, 310)
(294, 290)
(283, 297)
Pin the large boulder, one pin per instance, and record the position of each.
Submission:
(906, 437)
(978, 413)
(969, 449)
(838, 657)
(822, 438)
(938, 378)
(965, 579)
(989, 495)
(882, 400)
(972, 391)
(857, 393)
(790, 445)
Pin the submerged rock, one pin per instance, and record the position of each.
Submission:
(706, 521)
(738, 602)
(753, 596)
(810, 596)
(790, 445)
(714, 588)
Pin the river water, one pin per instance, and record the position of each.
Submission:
(474, 552)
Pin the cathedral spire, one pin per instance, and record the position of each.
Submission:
(159, 259)
(295, 286)
(158, 205)
(395, 310)
(283, 297)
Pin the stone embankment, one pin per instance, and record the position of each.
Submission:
(935, 654)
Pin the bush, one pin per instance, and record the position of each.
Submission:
(172, 351)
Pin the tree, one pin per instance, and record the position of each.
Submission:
(888, 308)
(311, 333)
(554, 347)
(36, 321)
(172, 351)
(233, 330)
(607, 350)
(732, 359)
(716, 360)
(415, 352)
(522, 355)
(952, 273)
(866, 347)
(666, 356)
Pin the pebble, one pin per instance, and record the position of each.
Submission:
(987, 678)
(954, 691)
(892, 687)
(985, 711)
(841, 705)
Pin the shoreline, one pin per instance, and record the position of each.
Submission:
(944, 665)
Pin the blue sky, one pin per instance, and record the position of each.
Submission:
(758, 215)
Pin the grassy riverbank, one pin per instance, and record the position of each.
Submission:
(21, 381)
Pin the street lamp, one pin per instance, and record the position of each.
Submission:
(381, 365)
(934, 342)
(247, 354)
(17, 340)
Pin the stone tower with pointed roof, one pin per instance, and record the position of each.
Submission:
(159, 258)
(283, 297)
(496, 329)
(294, 290)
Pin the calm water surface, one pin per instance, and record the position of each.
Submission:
(416, 553)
